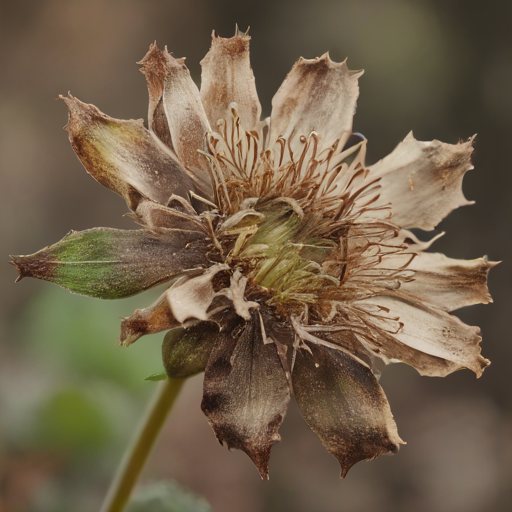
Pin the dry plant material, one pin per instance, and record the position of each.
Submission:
(293, 271)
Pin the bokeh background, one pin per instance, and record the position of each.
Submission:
(70, 398)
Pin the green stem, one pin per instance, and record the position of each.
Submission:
(140, 448)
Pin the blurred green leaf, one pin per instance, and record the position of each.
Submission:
(78, 336)
(167, 497)
(71, 422)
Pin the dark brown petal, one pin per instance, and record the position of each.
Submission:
(423, 180)
(431, 331)
(154, 216)
(227, 77)
(344, 405)
(449, 283)
(124, 157)
(157, 318)
(245, 391)
(185, 352)
(113, 263)
(317, 95)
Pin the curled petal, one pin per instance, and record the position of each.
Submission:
(157, 318)
(428, 330)
(449, 283)
(317, 95)
(423, 180)
(185, 352)
(191, 298)
(227, 77)
(344, 405)
(113, 263)
(245, 391)
(124, 157)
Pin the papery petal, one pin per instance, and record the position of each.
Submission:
(431, 331)
(423, 180)
(344, 405)
(191, 297)
(449, 283)
(124, 157)
(157, 318)
(185, 352)
(317, 95)
(113, 263)
(227, 77)
(245, 391)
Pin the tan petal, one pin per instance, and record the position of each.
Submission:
(423, 180)
(432, 331)
(246, 393)
(227, 77)
(317, 95)
(157, 318)
(449, 283)
(344, 405)
(123, 156)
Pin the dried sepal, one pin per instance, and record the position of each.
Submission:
(111, 263)
(185, 352)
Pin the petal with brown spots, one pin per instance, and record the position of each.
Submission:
(246, 393)
(344, 405)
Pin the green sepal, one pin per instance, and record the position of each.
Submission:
(112, 263)
(157, 376)
(185, 352)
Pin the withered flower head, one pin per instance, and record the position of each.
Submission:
(292, 269)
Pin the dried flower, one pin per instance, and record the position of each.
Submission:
(290, 263)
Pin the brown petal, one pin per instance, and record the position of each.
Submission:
(113, 263)
(123, 156)
(245, 391)
(317, 95)
(431, 331)
(449, 283)
(423, 180)
(227, 77)
(185, 352)
(344, 405)
(157, 318)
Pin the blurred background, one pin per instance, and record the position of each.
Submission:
(70, 398)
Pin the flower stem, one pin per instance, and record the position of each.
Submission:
(140, 448)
